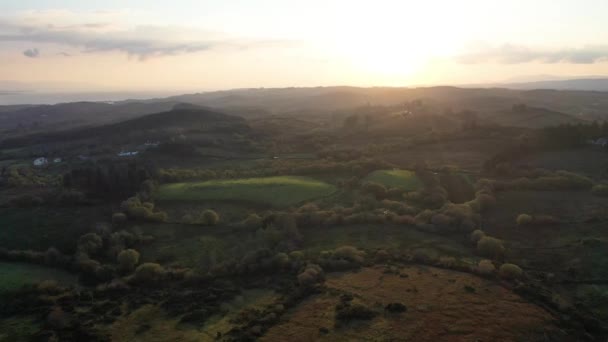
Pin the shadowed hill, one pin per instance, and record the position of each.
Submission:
(152, 126)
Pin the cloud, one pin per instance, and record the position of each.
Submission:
(32, 53)
(517, 54)
(141, 42)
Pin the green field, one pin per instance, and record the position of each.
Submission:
(274, 191)
(16, 275)
(404, 179)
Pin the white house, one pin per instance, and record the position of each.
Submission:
(42, 161)
(57, 160)
(127, 153)
(603, 142)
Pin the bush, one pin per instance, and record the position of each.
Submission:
(485, 201)
(545, 220)
(600, 190)
(128, 259)
(490, 247)
(524, 219)
(486, 267)
(510, 271)
(118, 219)
(149, 273)
(537, 220)
(90, 243)
(476, 235)
(378, 190)
(253, 221)
(350, 253)
(57, 319)
(424, 255)
(311, 275)
(209, 218)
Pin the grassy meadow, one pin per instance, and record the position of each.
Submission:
(274, 191)
(404, 179)
(16, 275)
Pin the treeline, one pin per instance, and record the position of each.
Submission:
(109, 180)
(358, 167)
(569, 135)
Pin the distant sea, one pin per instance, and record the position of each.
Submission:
(18, 97)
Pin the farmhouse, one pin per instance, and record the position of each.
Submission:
(42, 161)
(127, 153)
(603, 142)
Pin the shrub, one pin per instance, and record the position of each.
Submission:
(209, 218)
(159, 216)
(149, 273)
(485, 201)
(53, 257)
(90, 243)
(600, 190)
(378, 190)
(510, 271)
(49, 287)
(545, 220)
(128, 259)
(347, 311)
(524, 219)
(476, 235)
(404, 219)
(118, 219)
(486, 267)
(490, 247)
(395, 307)
(350, 253)
(311, 275)
(58, 319)
(537, 220)
(382, 256)
(424, 255)
(253, 221)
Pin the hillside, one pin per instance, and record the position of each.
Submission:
(152, 126)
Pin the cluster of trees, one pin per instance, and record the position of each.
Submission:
(547, 181)
(21, 177)
(207, 218)
(570, 135)
(110, 180)
(535, 220)
(137, 209)
(359, 167)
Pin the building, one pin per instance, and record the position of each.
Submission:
(39, 162)
(57, 160)
(127, 153)
(603, 142)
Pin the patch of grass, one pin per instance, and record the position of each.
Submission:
(43, 227)
(403, 179)
(18, 328)
(16, 275)
(274, 191)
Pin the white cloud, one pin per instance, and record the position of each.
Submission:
(517, 54)
(140, 41)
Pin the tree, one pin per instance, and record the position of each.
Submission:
(209, 217)
(128, 259)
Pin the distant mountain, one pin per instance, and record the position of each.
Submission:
(531, 117)
(588, 84)
(158, 126)
(74, 114)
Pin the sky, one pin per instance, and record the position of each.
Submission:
(198, 45)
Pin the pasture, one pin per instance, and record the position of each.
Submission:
(281, 191)
(403, 179)
(17, 275)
